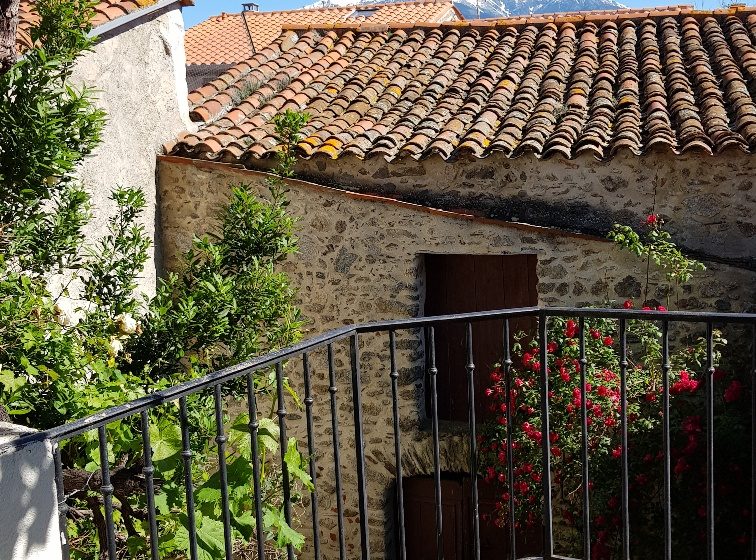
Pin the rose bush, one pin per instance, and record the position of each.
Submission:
(514, 395)
(645, 451)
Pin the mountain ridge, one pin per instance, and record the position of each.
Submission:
(473, 9)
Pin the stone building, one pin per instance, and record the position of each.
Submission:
(519, 140)
(137, 67)
(218, 43)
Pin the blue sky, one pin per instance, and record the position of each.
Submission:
(206, 8)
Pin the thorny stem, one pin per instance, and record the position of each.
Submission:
(648, 256)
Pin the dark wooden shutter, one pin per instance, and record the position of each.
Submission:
(420, 521)
(465, 283)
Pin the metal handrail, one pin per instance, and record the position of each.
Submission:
(215, 380)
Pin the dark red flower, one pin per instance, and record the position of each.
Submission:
(685, 384)
(733, 392)
(652, 219)
(628, 304)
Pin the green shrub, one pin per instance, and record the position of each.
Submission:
(76, 338)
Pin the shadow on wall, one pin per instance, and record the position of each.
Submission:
(28, 503)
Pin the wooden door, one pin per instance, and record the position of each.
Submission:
(420, 518)
(466, 283)
(456, 500)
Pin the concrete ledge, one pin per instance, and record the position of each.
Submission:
(29, 514)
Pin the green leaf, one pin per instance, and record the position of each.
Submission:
(165, 438)
(209, 494)
(210, 539)
(275, 519)
(245, 524)
(295, 463)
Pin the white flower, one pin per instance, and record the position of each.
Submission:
(115, 346)
(63, 319)
(126, 323)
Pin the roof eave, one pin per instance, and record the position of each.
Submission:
(110, 26)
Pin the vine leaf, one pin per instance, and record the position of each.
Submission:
(295, 463)
(275, 518)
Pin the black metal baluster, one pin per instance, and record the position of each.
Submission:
(433, 372)
(333, 389)
(548, 533)
(62, 505)
(473, 443)
(283, 444)
(667, 444)
(510, 450)
(149, 479)
(311, 450)
(254, 427)
(624, 459)
(397, 443)
(221, 440)
(107, 493)
(186, 455)
(709, 441)
(584, 448)
(753, 445)
(359, 442)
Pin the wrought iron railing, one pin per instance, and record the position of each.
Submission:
(304, 350)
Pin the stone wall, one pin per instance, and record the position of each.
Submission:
(138, 72)
(709, 201)
(361, 260)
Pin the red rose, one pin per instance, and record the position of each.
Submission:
(608, 341)
(733, 392)
(652, 219)
(628, 304)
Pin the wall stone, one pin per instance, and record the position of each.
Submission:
(709, 201)
(139, 76)
(361, 260)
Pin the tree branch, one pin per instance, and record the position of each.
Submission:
(8, 26)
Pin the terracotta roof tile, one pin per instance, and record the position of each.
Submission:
(564, 86)
(229, 38)
(104, 11)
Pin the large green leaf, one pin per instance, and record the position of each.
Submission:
(210, 539)
(275, 519)
(165, 438)
(296, 464)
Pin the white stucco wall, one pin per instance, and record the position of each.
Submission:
(29, 511)
(140, 74)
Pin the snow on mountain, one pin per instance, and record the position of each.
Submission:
(498, 8)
